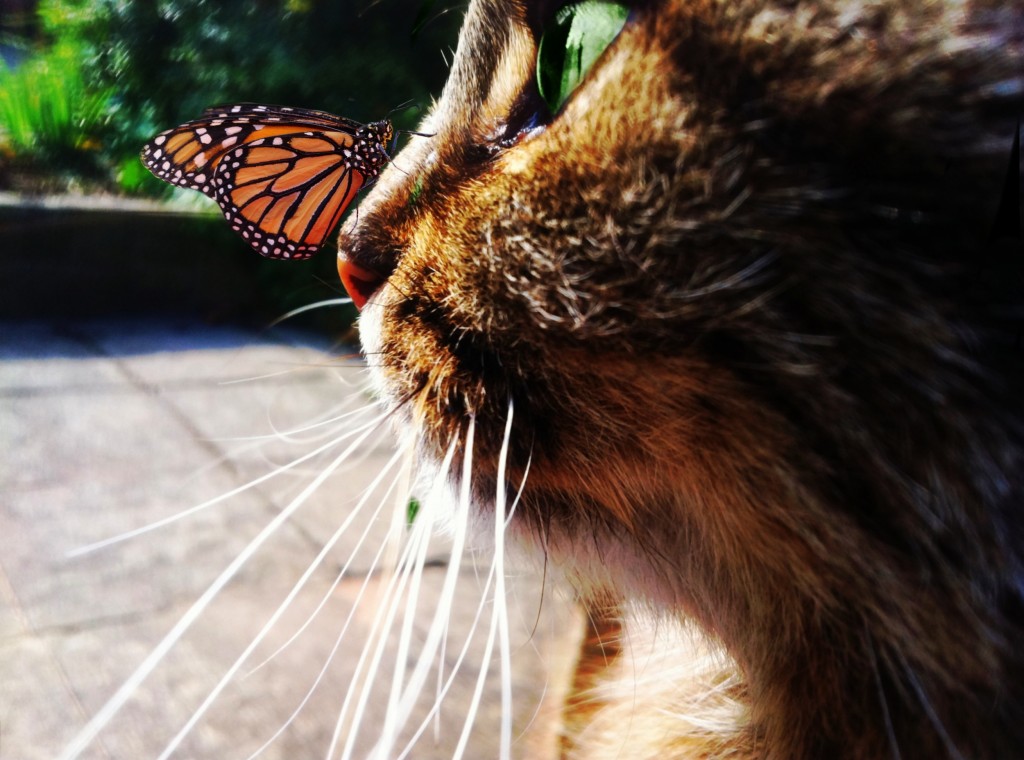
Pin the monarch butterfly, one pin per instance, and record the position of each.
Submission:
(282, 176)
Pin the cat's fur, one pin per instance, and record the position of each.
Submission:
(742, 295)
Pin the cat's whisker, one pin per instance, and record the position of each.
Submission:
(369, 660)
(310, 307)
(500, 598)
(929, 709)
(286, 603)
(352, 555)
(403, 701)
(291, 435)
(499, 622)
(328, 418)
(498, 616)
(104, 715)
(311, 434)
(291, 370)
(883, 701)
(443, 691)
(418, 540)
(363, 431)
(437, 634)
(330, 655)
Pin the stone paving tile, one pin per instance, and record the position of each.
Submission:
(36, 357)
(105, 428)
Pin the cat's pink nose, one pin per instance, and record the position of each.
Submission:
(360, 283)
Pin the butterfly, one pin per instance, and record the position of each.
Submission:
(281, 176)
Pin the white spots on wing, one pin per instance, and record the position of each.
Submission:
(232, 130)
(160, 139)
(205, 139)
(278, 141)
(228, 142)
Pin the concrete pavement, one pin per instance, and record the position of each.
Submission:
(111, 425)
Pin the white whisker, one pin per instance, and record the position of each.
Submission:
(500, 600)
(135, 532)
(330, 656)
(382, 623)
(421, 531)
(403, 700)
(435, 709)
(352, 555)
(309, 307)
(499, 619)
(474, 704)
(298, 367)
(289, 434)
(299, 585)
(297, 435)
(103, 716)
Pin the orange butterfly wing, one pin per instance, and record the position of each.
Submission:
(283, 177)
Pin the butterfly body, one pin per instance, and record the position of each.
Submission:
(282, 176)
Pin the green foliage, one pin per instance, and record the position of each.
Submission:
(115, 72)
(572, 43)
(48, 114)
(170, 59)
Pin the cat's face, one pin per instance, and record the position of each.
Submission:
(725, 294)
(680, 280)
(535, 261)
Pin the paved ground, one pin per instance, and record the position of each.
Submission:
(109, 426)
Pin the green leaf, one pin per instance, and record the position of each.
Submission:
(411, 511)
(572, 43)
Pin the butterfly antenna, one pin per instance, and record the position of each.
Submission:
(405, 105)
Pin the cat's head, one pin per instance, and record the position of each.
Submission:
(710, 281)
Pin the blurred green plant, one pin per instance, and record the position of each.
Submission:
(49, 115)
(107, 75)
(170, 59)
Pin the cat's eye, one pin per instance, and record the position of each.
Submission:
(570, 44)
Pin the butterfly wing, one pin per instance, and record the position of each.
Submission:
(285, 193)
(282, 176)
(188, 155)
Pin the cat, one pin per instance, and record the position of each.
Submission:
(731, 338)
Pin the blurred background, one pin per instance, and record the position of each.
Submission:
(141, 378)
(84, 83)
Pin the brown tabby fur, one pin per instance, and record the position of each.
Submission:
(738, 294)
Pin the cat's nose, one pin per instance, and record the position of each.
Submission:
(360, 282)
